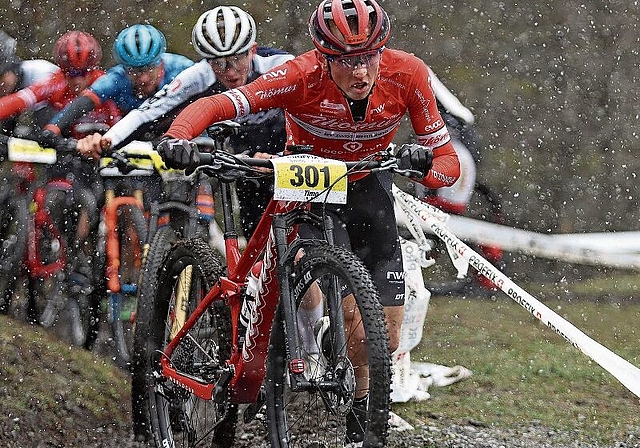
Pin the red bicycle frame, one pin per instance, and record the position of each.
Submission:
(249, 362)
(42, 220)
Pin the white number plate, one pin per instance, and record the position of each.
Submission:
(304, 178)
(21, 150)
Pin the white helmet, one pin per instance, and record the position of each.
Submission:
(223, 31)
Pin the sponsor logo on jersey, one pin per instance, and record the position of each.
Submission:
(266, 94)
(435, 139)
(175, 85)
(395, 275)
(352, 146)
(275, 74)
(333, 129)
(433, 126)
(239, 101)
(326, 104)
(378, 110)
(425, 104)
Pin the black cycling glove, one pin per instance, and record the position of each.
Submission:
(415, 157)
(179, 153)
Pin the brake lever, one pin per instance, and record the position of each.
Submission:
(121, 162)
(413, 174)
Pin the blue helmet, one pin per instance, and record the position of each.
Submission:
(139, 45)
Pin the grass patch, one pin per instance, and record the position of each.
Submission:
(46, 384)
(523, 372)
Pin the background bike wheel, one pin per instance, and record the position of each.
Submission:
(160, 245)
(13, 240)
(77, 217)
(48, 293)
(442, 277)
(179, 418)
(318, 417)
(132, 230)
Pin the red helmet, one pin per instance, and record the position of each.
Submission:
(349, 26)
(77, 52)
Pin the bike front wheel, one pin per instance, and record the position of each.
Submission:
(177, 417)
(346, 357)
(132, 231)
(13, 241)
(162, 241)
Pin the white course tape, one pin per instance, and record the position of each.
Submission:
(613, 249)
(624, 371)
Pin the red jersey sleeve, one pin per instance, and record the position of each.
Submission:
(28, 97)
(431, 131)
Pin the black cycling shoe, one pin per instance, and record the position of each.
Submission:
(357, 420)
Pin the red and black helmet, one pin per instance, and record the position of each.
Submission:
(77, 51)
(349, 26)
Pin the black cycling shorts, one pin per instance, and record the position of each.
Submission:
(366, 225)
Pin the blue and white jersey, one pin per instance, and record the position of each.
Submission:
(116, 85)
(154, 116)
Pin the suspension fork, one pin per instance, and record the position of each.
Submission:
(286, 254)
(112, 246)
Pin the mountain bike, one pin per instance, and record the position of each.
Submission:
(202, 362)
(182, 213)
(130, 178)
(40, 218)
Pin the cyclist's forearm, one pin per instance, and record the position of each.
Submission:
(76, 109)
(196, 117)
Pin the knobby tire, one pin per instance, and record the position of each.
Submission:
(317, 417)
(177, 417)
(160, 245)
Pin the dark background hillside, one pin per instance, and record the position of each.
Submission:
(554, 86)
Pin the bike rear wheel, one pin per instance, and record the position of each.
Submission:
(132, 230)
(318, 417)
(178, 418)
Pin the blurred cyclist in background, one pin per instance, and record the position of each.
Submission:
(225, 37)
(456, 198)
(78, 55)
(144, 67)
(16, 74)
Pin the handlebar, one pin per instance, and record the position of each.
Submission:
(30, 149)
(224, 165)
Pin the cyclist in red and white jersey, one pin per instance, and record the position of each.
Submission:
(346, 98)
(78, 54)
(16, 74)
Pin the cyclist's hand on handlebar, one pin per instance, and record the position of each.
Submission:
(415, 157)
(93, 145)
(264, 155)
(48, 138)
(179, 153)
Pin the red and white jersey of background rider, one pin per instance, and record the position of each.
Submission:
(317, 112)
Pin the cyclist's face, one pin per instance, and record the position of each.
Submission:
(78, 83)
(8, 83)
(355, 75)
(145, 80)
(233, 71)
